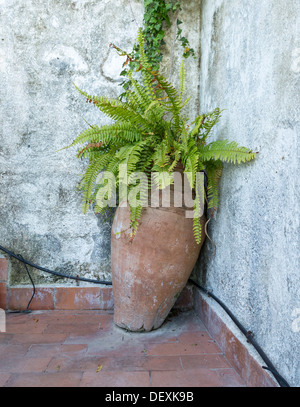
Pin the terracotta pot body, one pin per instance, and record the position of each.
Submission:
(150, 270)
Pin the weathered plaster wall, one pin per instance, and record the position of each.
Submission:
(250, 66)
(45, 46)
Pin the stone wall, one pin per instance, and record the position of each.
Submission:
(250, 67)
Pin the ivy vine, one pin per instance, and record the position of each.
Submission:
(157, 19)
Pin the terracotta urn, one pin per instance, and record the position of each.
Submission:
(150, 270)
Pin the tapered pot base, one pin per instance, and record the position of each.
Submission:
(150, 271)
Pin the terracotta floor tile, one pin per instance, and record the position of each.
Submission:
(140, 363)
(118, 351)
(70, 363)
(74, 328)
(230, 378)
(4, 378)
(194, 337)
(5, 337)
(28, 327)
(72, 379)
(8, 364)
(163, 363)
(210, 361)
(9, 350)
(21, 318)
(186, 378)
(55, 318)
(38, 338)
(125, 363)
(90, 318)
(47, 350)
(168, 349)
(115, 379)
(31, 365)
(199, 377)
(10, 356)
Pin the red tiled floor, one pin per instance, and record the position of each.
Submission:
(85, 349)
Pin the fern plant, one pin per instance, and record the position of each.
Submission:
(151, 134)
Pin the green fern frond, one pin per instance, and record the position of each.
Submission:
(191, 166)
(161, 156)
(214, 172)
(198, 212)
(197, 229)
(108, 133)
(226, 151)
(129, 155)
(177, 157)
(204, 123)
(155, 113)
(197, 124)
(162, 178)
(89, 179)
(98, 100)
(135, 216)
(117, 110)
(173, 103)
(139, 95)
(105, 192)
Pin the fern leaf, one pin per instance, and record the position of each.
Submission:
(89, 179)
(214, 173)
(174, 102)
(161, 156)
(197, 227)
(117, 110)
(204, 123)
(226, 151)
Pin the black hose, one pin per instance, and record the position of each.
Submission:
(55, 273)
(248, 334)
(33, 293)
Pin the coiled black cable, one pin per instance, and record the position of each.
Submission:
(248, 334)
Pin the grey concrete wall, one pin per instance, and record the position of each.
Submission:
(250, 66)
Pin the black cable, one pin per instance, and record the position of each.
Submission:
(27, 310)
(55, 273)
(248, 334)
